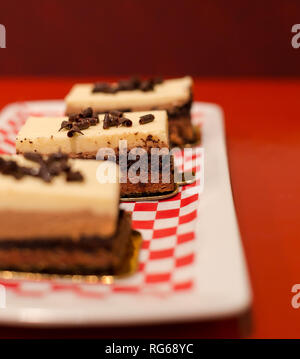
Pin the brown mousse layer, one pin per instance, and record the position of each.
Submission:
(25, 225)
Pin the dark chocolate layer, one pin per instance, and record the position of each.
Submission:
(89, 255)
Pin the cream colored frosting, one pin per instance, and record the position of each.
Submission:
(169, 93)
(33, 194)
(41, 134)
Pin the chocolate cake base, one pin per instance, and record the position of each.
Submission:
(139, 189)
(87, 256)
(182, 132)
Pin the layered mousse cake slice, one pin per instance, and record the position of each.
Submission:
(55, 217)
(134, 138)
(174, 96)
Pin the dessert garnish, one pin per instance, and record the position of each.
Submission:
(115, 118)
(134, 83)
(146, 119)
(78, 122)
(53, 166)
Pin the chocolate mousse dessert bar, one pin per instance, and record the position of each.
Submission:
(55, 217)
(87, 137)
(174, 96)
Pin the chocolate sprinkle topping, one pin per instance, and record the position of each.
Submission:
(134, 83)
(125, 122)
(74, 176)
(73, 130)
(106, 121)
(116, 113)
(53, 166)
(103, 87)
(146, 119)
(88, 112)
(66, 124)
(78, 122)
(147, 86)
(115, 118)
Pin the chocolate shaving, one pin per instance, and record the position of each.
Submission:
(106, 121)
(126, 85)
(147, 86)
(116, 113)
(88, 112)
(146, 119)
(103, 87)
(114, 121)
(74, 129)
(134, 83)
(115, 118)
(65, 124)
(53, 166)
(74, 176)
(78, 122)
(93, 121)
(125, 122)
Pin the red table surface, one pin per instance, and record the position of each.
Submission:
(262, 118)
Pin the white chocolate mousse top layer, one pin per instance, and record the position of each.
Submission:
(35, 195)
(169, 93)
(42, 135)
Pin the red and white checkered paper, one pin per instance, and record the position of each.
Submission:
(167, 256)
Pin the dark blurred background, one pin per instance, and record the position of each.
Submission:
(124, 37)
